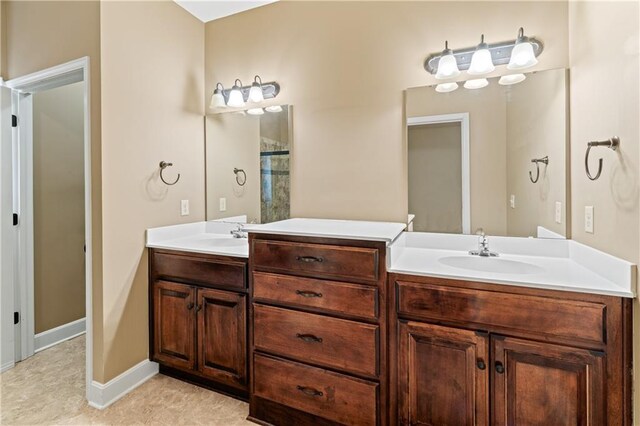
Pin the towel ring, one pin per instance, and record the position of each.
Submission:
(164, 165)
(537, 161)
(237, 172)
(612, 144)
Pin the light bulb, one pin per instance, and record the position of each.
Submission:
(255, 111)
(236, 99)
(478, 83)
(481, 62)
(446, 87)
(507, 80)
(255, 93)
(274, 108)
(447, 65)
(522, 55)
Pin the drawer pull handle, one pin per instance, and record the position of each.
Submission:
(499, 367)
(309, 391)
(480, 363)
(305, 293)
(190, 306)
(310, 259)
(309, 338)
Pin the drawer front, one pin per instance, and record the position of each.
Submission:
(318, 260)
(330, 296)
(525, 313)
(200, 270)
(331, 342)
(330, 395)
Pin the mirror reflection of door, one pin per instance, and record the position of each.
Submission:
(435, 177)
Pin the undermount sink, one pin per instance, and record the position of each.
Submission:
(491, 264)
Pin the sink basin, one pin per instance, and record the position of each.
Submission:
(227, 242)
(491, 264)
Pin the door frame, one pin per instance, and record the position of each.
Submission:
(22, 90)
(463, 119)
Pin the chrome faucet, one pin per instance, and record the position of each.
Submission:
(239, 232)
(483, 246)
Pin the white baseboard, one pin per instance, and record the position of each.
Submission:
(52, 337)
(100, 395)
(6, 366)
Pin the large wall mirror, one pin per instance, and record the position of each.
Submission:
(493, 158)
(248, 159)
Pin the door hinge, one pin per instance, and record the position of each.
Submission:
(14, 120)
(16, 317)
(15, 219)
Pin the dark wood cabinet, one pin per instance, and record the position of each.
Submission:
(198, 319)
(443, 376)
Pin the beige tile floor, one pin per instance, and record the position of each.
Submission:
(49, 389)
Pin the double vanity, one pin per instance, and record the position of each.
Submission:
(325, 322)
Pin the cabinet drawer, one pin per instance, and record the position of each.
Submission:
(568, 319)
(200, 270)
(330, 395)
(331, 342)
(318, 260)
(331, 296)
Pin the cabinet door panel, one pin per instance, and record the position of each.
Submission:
(174, 324)
(222, 336)
(443, 376)
(543, 384)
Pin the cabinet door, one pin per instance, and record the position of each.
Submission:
(222, 346)
(174, 324)
(442, 376)
(543, 384)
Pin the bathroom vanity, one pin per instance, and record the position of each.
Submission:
(327, 322)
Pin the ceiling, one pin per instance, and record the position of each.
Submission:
(208, 10)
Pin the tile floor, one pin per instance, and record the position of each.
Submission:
(49, 389)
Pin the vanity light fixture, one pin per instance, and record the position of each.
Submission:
(446, 87)
(507, 80)
(255, 111)
(522, 55)
(217, 99)
(236, 99)
(274, 108)
(447, 64)
(255, 93)
(481, 62)
(478, 83)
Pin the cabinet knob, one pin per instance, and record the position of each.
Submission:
(480, 363)
(499, 367)
(198, 308)
(190, 306)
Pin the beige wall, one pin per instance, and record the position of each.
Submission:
(537, 123)
(604, 40)
(344, 66)
(233, 140)
(152, 110)
(487, 146)
(58, 204)
(54, 32)
(435, 177)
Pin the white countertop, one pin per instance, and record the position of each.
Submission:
(328, 228)
(553, 264)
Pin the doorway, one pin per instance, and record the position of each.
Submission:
(51, 209)
(438, 173)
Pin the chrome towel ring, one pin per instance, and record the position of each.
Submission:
(612, 143)
(237, 172)
(537, 161)
(164, 165)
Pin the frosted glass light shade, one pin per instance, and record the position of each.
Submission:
(236, 100)
(447, 67)
(255, 93)
(507, 80)
(481, 63)
(478, 83)
(274, 108)
(446, 87)
(255, 111)
(217, 100)
(522, 56)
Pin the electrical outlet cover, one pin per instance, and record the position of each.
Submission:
(588, 219)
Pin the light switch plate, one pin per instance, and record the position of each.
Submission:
(223, 204)
(588, 219)
(512, 201)
(184, 207)
(558, 212)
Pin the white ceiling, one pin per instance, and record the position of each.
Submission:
(208, 10)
